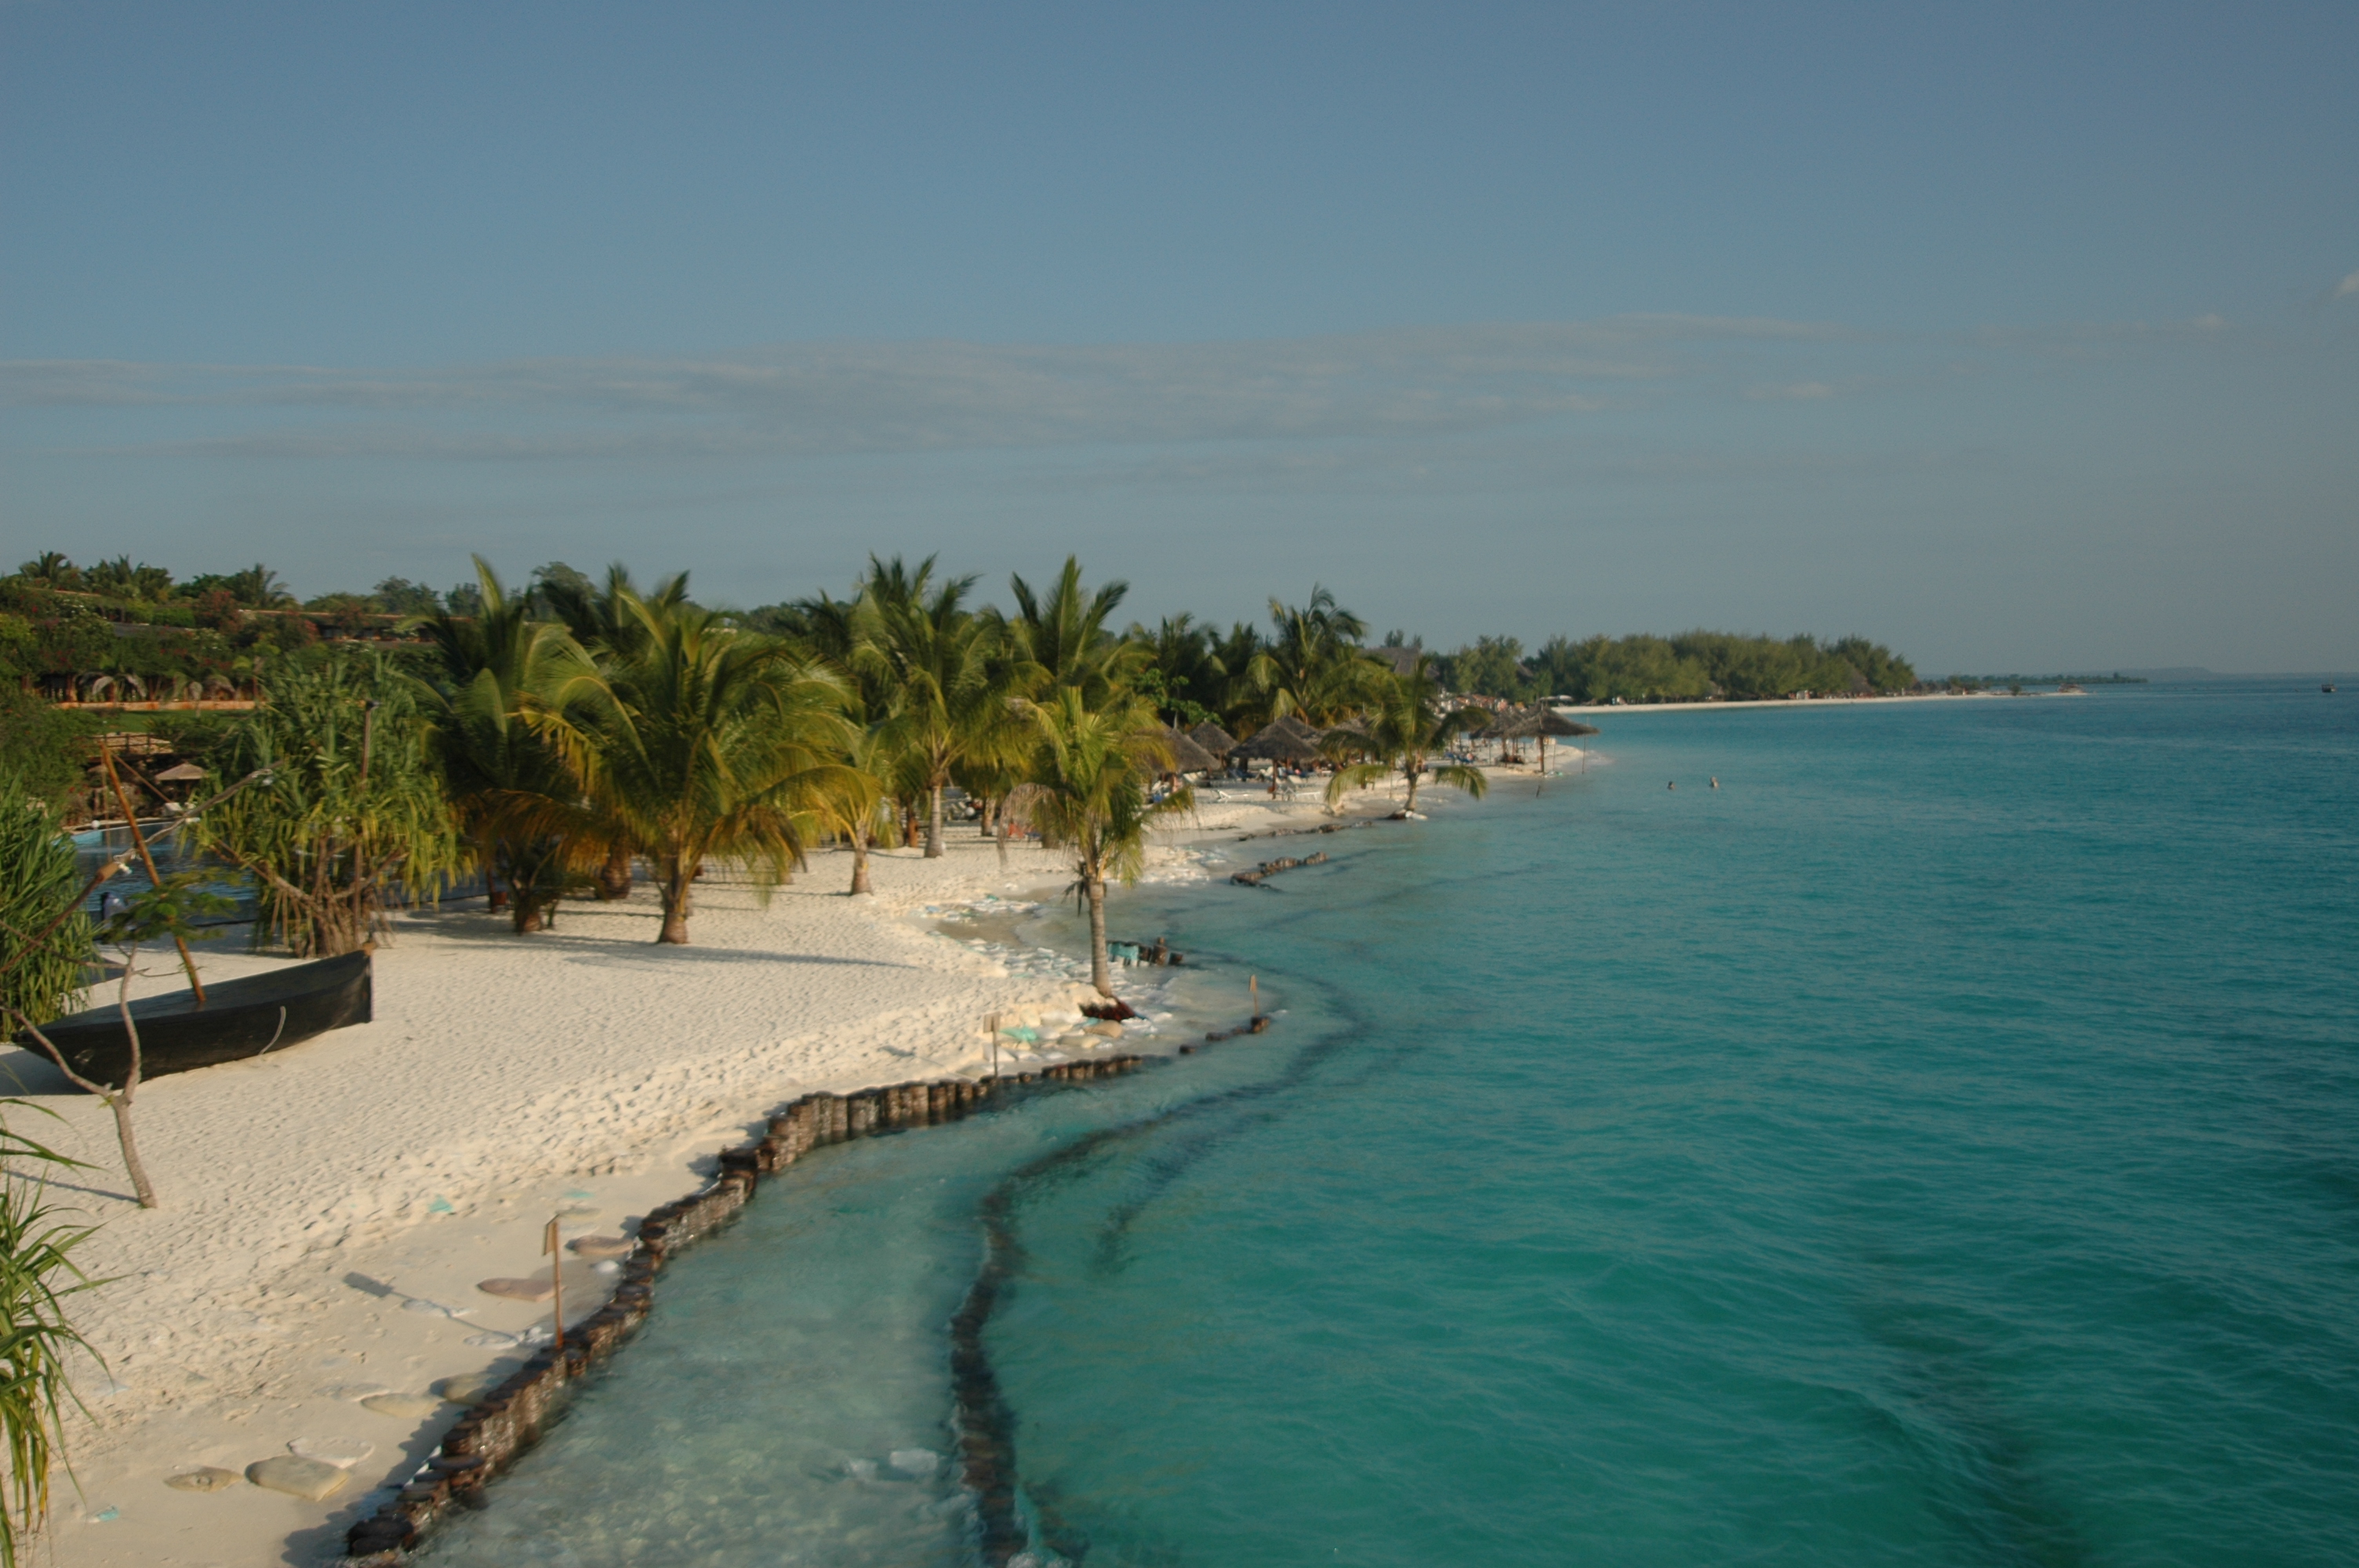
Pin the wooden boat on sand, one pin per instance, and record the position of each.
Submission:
(253, 1016)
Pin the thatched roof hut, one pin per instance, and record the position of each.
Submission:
(1520, 723)
(1282, 740)
(1214, 738)
(1186, 757)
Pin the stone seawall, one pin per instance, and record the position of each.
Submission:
(486, 1440)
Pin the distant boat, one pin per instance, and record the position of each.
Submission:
(252, 1016)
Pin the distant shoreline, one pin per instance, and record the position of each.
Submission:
(1797, 702)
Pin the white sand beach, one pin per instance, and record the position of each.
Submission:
(327, 1214)
(1797, 704)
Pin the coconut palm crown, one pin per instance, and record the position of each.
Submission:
(1088, 794)
(704, 742)
(1402, 732)
(512, 793)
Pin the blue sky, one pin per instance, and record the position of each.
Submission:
(2015, 336)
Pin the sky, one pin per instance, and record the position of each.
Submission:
(2020, 337)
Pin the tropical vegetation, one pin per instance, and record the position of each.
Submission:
(1409, 724)
(46, 940)
(559, 738)
(351, 814)
(38, 1273)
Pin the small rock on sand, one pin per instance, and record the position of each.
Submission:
(405, 1407)
(310, 1480)
(205, 1478)
(344, 1452)
(468, 1388)
(601, 1245)
(516, 1290)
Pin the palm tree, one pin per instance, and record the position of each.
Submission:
(511, 790)
(855, 807)
(601, 619)
(602, 623)
(702, 742)
(1313, 666)
(935, 662)
(1088, 794)
(1063, 640)
(1403, 732)
(51, 569)
(260, 587)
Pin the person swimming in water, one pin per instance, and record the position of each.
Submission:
(1673, 785)
(1715, 780)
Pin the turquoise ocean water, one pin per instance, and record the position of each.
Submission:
(1939, 1144)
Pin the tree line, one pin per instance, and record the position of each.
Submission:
(1693, 667)
(554, 735)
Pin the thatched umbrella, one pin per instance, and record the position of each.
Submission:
(1187, 756)
(1214, 738)
(184, 774)
(1282, 740)
(1294, 726)
(1542, 722)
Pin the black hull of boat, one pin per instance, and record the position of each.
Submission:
(257, 1015)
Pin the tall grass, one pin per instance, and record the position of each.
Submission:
(41, 976)
(37, 1273)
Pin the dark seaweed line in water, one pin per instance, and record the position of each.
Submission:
(986, 1425)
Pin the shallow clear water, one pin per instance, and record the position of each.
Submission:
(1939, 1144)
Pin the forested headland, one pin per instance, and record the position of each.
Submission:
(118, 645)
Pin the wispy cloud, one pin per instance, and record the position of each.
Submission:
(1790, 392)
(871, 397)
(2348, 286)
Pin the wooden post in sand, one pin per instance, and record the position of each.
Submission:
(993, 1026)
(556, 1254)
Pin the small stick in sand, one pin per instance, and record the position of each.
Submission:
(556, 1256)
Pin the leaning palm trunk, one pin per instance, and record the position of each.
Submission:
(1101, 969)
(1088, 794)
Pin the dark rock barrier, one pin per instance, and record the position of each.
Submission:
(1268, 869)
(489, 1438)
